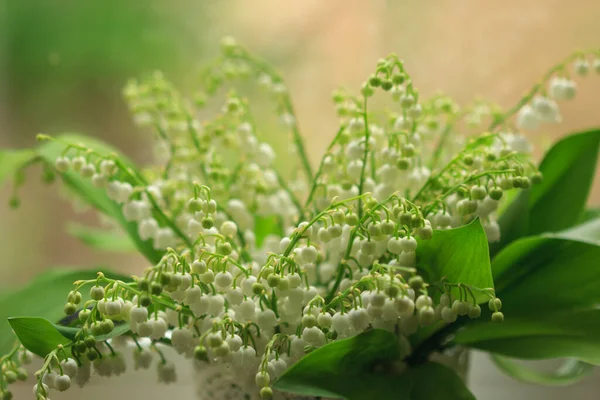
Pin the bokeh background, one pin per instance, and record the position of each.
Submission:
(63, 64)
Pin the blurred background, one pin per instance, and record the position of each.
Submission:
(63, 64)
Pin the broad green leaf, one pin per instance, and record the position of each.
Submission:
(102, 239)
(588, 232)
(40, 336)
(94, 196)
(549, 288)
(513, 222)
(458, 255)
(552, 273)
(589, 214)
(43, 297)
(569, 334)
(447, 385)
(568, 168)
(265, 226)
(559, 201)
(568, 373)
(347, 369)
(12, 160)
(69, 332)
(37, 334)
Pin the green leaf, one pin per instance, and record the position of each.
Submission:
(568, 373)
(43, 297)
(40, 336)
(265, 226)
(568, 168)
(458, 255)
(102, 239)
(549, 288)
(70, 332)
(567, 334)
(37, 334)
(94, 196)
(347, 369)
(547, 273)
(559, 201)
(12, 160)
(589, 214)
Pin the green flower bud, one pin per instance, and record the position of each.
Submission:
(496, 193)
(143, 285)
(405, 218)
(10, 376)
(70, 308)
(165, 278)
(107, 326)
(398, 79)
(403, 164)
(84, 315)
(525, 182)
(91, 354)
(387, 85)
(207, 222)
(474, 311)
(495, 304)
(145, 300)
(156, 288)
(374, 81)
(200, 353)
(266, 393)
(339, 217)
(536, 178)
(89, 341)
(478, 192)
(352, 219)
(468, 160)
(97, 293)
(497, 317)
(273, 280)
(74, 297)
(258, 288)
(416, 282)
(392, 291)
(375, 230)
(224, 248)
(387, 227)
(80, 346)
(309, 320)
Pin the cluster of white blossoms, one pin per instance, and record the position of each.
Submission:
(341, 256)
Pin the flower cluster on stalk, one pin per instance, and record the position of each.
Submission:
(343, 254)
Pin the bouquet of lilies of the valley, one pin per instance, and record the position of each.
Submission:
(425, 230)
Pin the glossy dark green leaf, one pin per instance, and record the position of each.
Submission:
(94, 196)
(547, 273)
(549, 288)
(348, 369)
(568, 334)
(102, 239)
(37, 334)
(569, 372)
(459, 255)
(43, 297)
(559, 201)
(568, 168)
(12, 160)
